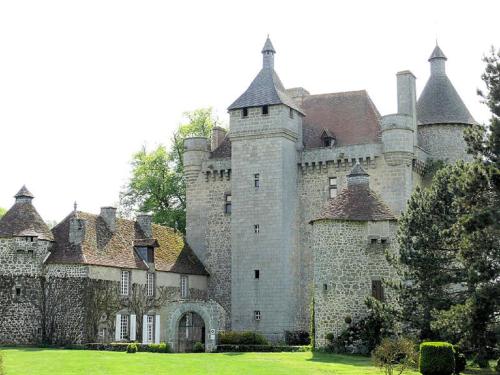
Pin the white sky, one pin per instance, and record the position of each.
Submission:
(84, 84)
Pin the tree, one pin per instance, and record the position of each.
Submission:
(157, 183)
(2, 212)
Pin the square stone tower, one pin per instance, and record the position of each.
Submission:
(265, 133)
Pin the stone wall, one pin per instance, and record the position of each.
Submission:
(345, 265)
(444, 141)
(21, 257)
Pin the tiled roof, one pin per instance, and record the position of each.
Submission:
(265, 89)
(102, 247)
(351, 117)
(23, 220)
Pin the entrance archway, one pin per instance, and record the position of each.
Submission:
(190, 331)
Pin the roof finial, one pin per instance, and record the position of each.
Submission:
(75, 206)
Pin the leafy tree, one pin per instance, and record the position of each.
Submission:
(157, 183)
(2, 211)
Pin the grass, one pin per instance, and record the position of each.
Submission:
(32, 361)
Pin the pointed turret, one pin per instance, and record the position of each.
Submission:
(439, 102)
(24, 194)
(266, 88)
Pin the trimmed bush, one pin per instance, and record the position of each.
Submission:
(199, 347)
(156, 348)
(242, 338)
(262, 348)
(297, 338)
(132, 348)
(436, 358)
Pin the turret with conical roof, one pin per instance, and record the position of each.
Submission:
(441, 114)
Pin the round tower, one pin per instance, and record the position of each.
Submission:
(195, 152)
(442, 115)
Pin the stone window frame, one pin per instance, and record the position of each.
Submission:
(378, 290)
(257, 316)
(184, 286)
(227, 203)
(125, 282)
(332, 187)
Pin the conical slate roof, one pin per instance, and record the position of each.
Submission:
(357, 202)
(265, 89)
(24, 192)
(439, 102)
(23, 220)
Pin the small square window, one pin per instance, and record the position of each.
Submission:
(18, 292)
(265, 109)
(244, 112)
(256, 274)
(256, 228)
(383, 241)
(291, 113)
(332, 187)
(373, 241)
(256, 315)
(256, 180)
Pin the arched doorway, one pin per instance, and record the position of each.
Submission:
(191, 330)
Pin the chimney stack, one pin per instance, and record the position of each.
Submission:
(108, 214)
(144, 220)
(407, 97)
(218, 135)
(76, 230)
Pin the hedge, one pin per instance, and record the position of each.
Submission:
(122, 347)
(241, 338)
(436, 358)
(262, 348)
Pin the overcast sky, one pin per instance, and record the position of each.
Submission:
(84, 84)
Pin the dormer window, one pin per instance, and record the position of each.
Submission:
(244, 112)
(329, 142)
(146, 253)
(328, 138)
(265, 110)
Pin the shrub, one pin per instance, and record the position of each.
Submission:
(395, 355)
(297, 338)
(460, 361)
(497, 367)
(241, 338)
(198, 347)
(262, 348)
(132, 348)
(436, 358)
(157, 348)
(330, 336)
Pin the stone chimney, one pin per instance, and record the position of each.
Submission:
(76, 230)
(218, 135)
(407, 97)
(108, 214)
(144, 220)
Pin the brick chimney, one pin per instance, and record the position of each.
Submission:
(218, 135)
(144, 220)
(108, 214)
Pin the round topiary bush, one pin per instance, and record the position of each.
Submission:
(329, 336)
(198, 347)
(132, 348)
(436, 358)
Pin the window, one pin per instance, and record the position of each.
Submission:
(150, 284)
(256, 180)
(125, 283)
(146, 253)
(265, 109)
(328, 141)
(18, 291)
(325, 287)
(30, 253)
(373, 241)
(383, 241)
(124, 327)
(244, 112)
(256, 315)
(150, 324)
(227, 204)
(184, 286)
(256, 228)
(377, 290)
(256, 274)
(332, 187)
(291, 113)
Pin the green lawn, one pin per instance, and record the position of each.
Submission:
(82, 362)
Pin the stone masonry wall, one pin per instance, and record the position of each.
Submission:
(346, 263)
(444, 141)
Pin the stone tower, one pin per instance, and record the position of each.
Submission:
(265, 133)
(442, 115)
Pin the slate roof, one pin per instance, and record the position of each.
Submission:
(23, 220)
(351, 117)
(24, 192)
(357, 202)
(268, 46)
(265, 89)
(439, 102)
(104, 248)
(224, 149)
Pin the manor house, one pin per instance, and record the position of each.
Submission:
(299, 198)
